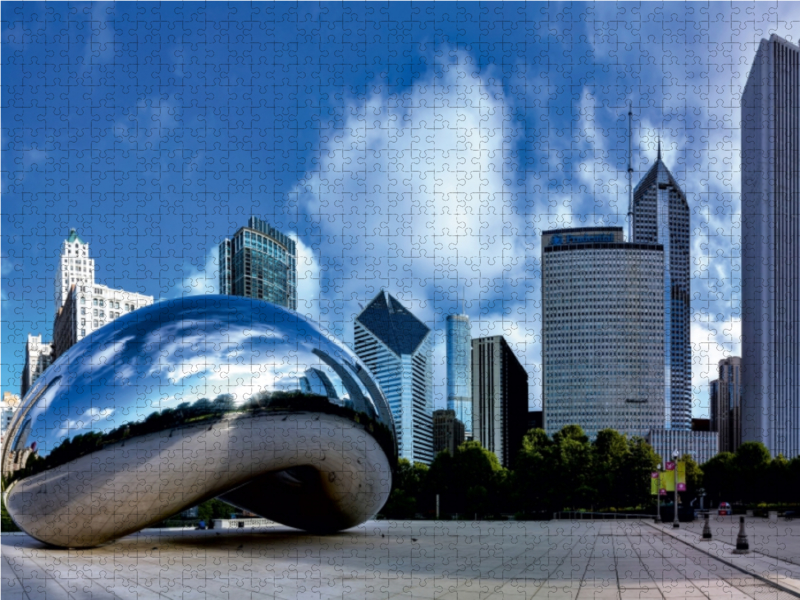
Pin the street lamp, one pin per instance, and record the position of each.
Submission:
(675, 456)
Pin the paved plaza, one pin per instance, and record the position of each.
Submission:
(414, 559)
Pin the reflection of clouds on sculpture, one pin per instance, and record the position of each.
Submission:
(92, 415)
(164, 377)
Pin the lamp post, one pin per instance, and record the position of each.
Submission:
(675, 524)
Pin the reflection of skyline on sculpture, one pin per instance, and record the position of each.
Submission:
(171, 358)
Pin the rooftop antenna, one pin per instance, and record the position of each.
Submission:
(659, 147)
(630, 172)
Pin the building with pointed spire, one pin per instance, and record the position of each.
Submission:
(76, 267)
(771, 248)
(395, 346)
(459, 369)
(661, 216)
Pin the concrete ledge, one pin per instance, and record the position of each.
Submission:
(243, 523)
(775, 572)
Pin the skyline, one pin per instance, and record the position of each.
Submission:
(355, 147)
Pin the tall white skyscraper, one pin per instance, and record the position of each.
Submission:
(38, 356)
(661, 216)
(395, 346)
(459, 369)
(75, 267)
(771, 248)
(81, 304)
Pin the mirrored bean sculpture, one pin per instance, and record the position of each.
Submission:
(192, 399)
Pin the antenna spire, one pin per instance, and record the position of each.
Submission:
(659, 146)
(630, 172)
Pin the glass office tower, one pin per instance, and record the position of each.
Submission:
(259, 262)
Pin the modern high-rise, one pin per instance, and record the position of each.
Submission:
(499, 398)
(259, 262)
(602, 332)
(661, 216)
(771, 248)
(38, 356)
(459, 369)
(396, 346)
(448, 432)
(81, 304)
(726, 404)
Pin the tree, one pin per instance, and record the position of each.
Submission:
(472, 466)
(694, 476)
(406, 489)
(609, 454)
(751, 463)
(534, 473)
(719, 478)
(634, 474)
(572, 455)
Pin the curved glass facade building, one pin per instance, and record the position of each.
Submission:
(191, 399)
(459, 369)
(603, 332)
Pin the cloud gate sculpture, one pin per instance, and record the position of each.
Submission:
(191, 399)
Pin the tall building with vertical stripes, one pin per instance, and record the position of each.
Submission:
(396, 346)
(771, 248)
(459, 369)
(661, 216)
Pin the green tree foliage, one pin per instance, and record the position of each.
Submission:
(214, 509)
(633, 482)
(406, 492)
(694, 476)
(719, 478)
(471, 481)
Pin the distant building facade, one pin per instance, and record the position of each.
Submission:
(499, 398)
(771, 248)
(459, 369)
(661, 216)
(448, 431)
(259, 262)
(603, 330)
(395, 346)
(726, 404)
(702, 446)
(38, 356)
(83, 305)
(535, 420)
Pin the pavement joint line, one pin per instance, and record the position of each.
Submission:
(769, 582)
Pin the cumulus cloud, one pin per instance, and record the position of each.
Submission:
(419, 194)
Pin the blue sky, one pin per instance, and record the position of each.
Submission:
(416, 147)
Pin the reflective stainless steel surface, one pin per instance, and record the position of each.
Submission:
(195, 398)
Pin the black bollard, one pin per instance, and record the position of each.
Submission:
(706, 530)
(742, 547)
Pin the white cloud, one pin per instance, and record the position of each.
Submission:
(199, 279)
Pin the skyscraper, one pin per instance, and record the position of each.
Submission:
(661, 216)
(448, 432)
(259, 262)
(459, 369)
(395, 346)
(771, 248)
(726, 404)
(76, 267)
(38, 356)
(81, 304)
(602, 332)
(499, 398)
